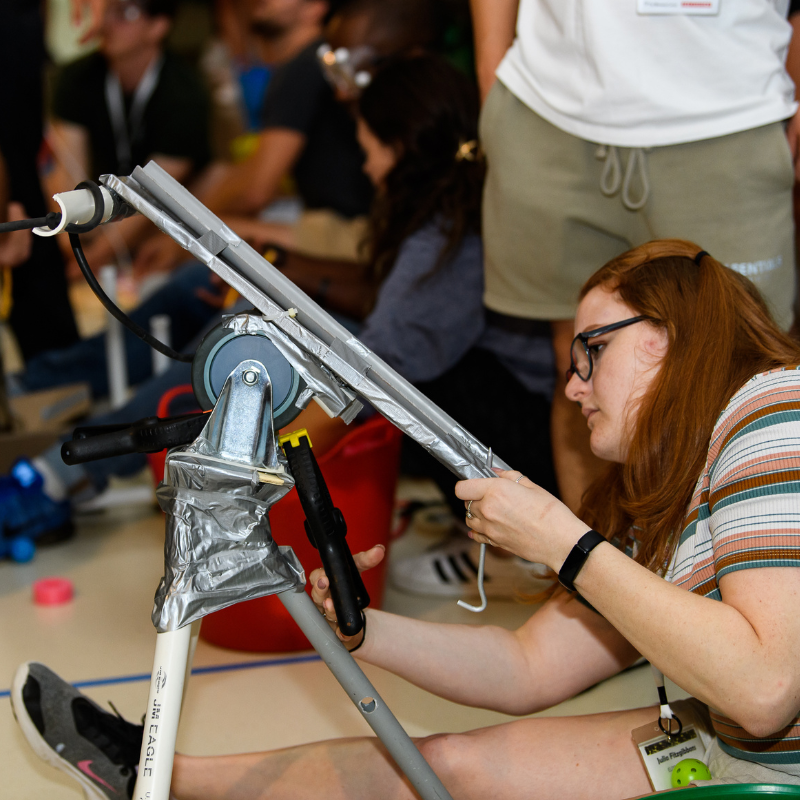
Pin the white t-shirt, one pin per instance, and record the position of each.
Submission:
(600, 70)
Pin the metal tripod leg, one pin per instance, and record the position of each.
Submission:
(364, 696)
(171, 668)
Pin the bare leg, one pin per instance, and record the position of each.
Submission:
(575, 464)
(338, 768)
(582, 758)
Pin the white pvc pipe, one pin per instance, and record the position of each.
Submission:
(170, 667)
(161, 329)
(116, 363)
(77, 207)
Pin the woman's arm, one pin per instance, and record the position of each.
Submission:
(739, 655)
(563, 649)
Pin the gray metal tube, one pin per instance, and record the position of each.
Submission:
(364, 696)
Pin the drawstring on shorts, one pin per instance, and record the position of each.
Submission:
(612, 178)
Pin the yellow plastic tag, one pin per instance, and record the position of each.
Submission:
(294, 438)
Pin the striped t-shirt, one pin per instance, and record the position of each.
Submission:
(745, 513)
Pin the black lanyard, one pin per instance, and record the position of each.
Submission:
(127, 130)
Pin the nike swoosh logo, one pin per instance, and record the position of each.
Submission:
(86, 767)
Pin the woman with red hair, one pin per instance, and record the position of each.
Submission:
(686, 552)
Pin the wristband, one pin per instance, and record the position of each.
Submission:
(577, 558)
(363, 633)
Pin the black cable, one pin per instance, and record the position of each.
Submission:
(99, 208)
(80, 257)
(22, 224)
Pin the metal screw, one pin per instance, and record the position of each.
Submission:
(250, 377)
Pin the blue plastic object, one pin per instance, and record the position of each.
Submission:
(21, 549)
(27, 513)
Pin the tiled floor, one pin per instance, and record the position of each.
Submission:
(104, 640)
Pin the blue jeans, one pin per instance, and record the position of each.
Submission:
(144, 403)
(86, 360)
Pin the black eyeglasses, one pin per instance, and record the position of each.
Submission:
(580, 356)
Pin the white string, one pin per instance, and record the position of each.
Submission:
(481, 590)
(481, 561)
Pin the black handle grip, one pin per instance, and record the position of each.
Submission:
(326, 530)
(149, 435)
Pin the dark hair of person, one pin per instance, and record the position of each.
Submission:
(160, 8)
(394, 26)
(720, 334)
(427, 110)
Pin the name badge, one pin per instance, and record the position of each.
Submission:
(695, 7)
(660, 754)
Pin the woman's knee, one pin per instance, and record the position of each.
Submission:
(449, 754)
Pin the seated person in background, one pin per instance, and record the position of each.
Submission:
(417, 123)
(124, 105)
(692, 393)
(190, 298)
(307, 135)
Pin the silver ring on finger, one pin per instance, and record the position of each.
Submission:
(470, 515)
(521, 476)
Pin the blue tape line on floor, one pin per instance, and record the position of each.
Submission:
(145, 676)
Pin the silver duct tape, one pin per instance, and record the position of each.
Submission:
(135, 195)
(320, 381)
(219, 548)
(451, 449)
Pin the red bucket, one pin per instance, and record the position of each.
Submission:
(361, 474)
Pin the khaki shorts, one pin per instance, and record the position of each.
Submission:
(548, 226)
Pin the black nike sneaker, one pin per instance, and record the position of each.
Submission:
(66, 729)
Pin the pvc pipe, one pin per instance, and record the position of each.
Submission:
(116, 362)
(170, 666)
(161, 329)
(77, 207)
(364, 696)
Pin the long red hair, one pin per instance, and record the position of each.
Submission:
(720, 334)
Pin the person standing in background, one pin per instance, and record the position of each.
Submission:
(40, 312)
(609, 124)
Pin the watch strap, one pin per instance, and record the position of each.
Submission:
(574, 562)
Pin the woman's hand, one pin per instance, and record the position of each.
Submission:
(321, 590)
(15, 247)
(514, 513)
(157, 254)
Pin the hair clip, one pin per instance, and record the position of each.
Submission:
(468, 151)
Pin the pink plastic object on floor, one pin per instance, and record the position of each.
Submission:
(52, 591)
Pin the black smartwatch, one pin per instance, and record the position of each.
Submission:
(577, 558)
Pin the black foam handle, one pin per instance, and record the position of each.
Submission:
(149, 435)
(326, 531)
